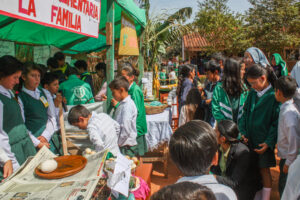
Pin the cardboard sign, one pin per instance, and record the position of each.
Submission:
(78, 16)
(128, 39)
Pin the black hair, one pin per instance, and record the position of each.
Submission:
(213, 66)
(131, 71)
(101, 66)
(193, 147)
(81, 64)
(76, 112)
(9, 65)
(218, 57)
(257, 70)
(59, 56)
(118, 83)
(49, 78)
(231, 80)
(184, 191)
(52, 62)
(186, 70)
(229, 130)
(72, 71)
(287, 85)
(195, 109)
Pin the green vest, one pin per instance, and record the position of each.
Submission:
(260, 119)
(162, 75)
(137, 96)
(76, 91)
(35, 112)
(13, 124)
(223, 106)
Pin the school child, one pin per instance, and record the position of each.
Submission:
(125, 115)
(75, 90)
(193, 108)
(38, 112)
(235, 167)
(54, 68)
(14, 136)
(193, 149)
(62, 64)
(213, 71)
(163, 76)
(138, 98)
(259, 122)
(279, 65)
(172, 76)
(288, 143)
(229, 95)
(184, 191)
(85, 76)
(101, 72)
(102, 129)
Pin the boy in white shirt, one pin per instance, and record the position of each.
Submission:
(288, 142)
(102, 129)
(125, 115)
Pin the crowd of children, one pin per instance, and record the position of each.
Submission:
(30, 98)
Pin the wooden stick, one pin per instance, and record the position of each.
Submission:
(62, 130)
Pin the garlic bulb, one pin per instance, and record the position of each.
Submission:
(48, 166)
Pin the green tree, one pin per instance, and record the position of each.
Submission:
(274, 24)
(223, 29)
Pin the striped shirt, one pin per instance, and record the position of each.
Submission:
(103, 132)
(126, 115)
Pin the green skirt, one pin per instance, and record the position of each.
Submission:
(141, 145)
(56, 144)
(267, 159)
(129, 150)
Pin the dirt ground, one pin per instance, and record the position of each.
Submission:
(158, 181)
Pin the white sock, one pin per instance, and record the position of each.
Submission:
(258, 195)
(266, 193)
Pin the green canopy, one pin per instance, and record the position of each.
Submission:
(21, 31)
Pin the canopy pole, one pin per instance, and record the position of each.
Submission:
(141, 61)
(110, 54)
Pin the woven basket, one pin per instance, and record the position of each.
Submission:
(152, 110)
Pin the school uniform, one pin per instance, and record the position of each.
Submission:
(236, 170)
(186, 86)
(87, 77)
(288, 143)
(221, 191)
(141, 124)
(14, 136)
(259, 124)
(126, 115)
(39, 116)
(76, 91)
(209, 89)
(225, 107)
(103, 133)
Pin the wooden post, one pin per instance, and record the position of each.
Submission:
(141, 61)
(62, 130)
(110, 55)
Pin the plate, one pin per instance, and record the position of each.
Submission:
(67, 166)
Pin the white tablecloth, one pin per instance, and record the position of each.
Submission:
(159, 129)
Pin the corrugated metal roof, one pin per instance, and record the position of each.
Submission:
(194, 41)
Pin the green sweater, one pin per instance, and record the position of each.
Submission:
(225, 108)
(76, 91)
(259, 122)
(137, 96)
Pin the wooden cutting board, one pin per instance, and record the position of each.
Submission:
(67, 166)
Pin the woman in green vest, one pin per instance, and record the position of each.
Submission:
(279, 65)
(137, 96)
(39, 114)
(259, 122)
(229, 95)
(14, 137)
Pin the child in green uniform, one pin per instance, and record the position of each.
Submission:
(39, 113)
(137, 96)
(229, 95)
(163, 76)
(14, 137)
(259, 122)
(85, 76)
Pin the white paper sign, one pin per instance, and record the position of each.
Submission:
(7, 48)
(77, 16)
(41, 54)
